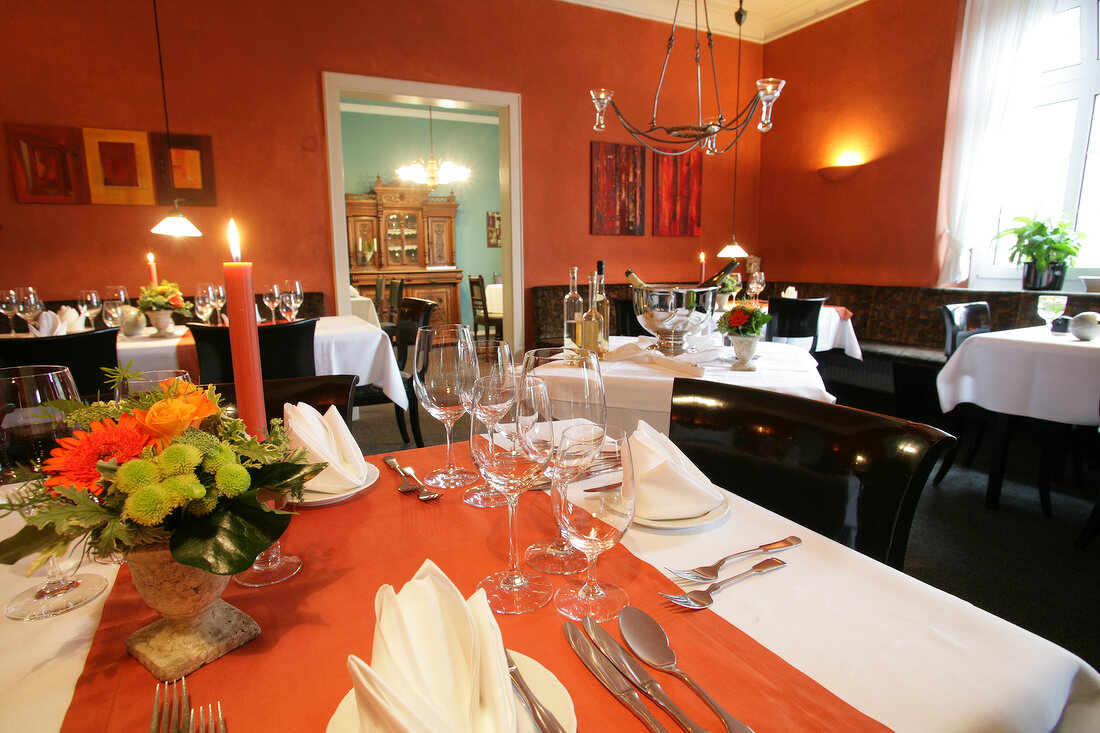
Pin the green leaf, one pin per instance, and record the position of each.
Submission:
(227, 540)
(28, 541)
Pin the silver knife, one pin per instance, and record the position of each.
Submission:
(544, 719)
(634, 671)
(609, 677)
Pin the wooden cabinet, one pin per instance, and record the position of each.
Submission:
(402, 231)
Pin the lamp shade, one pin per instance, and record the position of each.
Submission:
(733, 250)
(176, 225)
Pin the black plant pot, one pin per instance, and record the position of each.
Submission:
(1050, 279)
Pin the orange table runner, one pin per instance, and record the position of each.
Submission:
(844, 313)
(294, 675)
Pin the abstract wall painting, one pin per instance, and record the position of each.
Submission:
(47, 164)
(618, 185)
(677, 194)
(119, 167)
(186, 172)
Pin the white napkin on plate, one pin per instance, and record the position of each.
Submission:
(790, 292)
(48, 324)
(668, 485)
(437, 664)
(637, 353)
(326, 439)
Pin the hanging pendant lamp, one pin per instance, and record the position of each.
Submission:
(433, 172)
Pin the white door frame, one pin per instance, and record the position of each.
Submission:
(506, 104)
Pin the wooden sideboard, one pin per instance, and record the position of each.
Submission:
(402, 231)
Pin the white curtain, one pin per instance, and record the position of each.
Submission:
(996, 66)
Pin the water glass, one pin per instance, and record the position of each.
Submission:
(218, 292)
(27, 304)
(1050, 307)
(149, 380)
(491, 358)
(89, 305)
(271, 298)
(289, 303)
(7, 307)
(444, 372)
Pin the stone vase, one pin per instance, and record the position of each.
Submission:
(196, 625)
(162, 321)
(744, 348)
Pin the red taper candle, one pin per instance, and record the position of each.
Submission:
(244, 341)
(702, 267)
(152, 269)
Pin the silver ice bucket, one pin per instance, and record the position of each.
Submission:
(673, 312)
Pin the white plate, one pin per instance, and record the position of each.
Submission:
(542, 682)
(713, 515)
(323, 498)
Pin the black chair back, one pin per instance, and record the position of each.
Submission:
(286, 350)
(961, 321)
(397, 291)
(493, 324)
(793, 318)
(414, 313)
(851, 475)
(625, 321)
(318, 391)
(83, 353)
(380, 294)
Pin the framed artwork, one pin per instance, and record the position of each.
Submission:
(677, 193)
(47, 164)
(119, 169)
(492, 228)
(186, 172)
(618, 183)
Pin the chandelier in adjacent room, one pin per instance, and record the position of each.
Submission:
(433, 172)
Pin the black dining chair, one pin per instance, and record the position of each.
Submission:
(493, 325)
(286, 350)
(851, 475)
(961, 321)
(320, 392)
(626, 323)
(86, 354)
(414, 313)
(793, 318)
(393, 311)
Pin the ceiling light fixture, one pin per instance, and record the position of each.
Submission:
(433, 172)
(682, 138)
(175, 224)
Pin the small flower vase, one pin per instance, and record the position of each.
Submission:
(162, 321)
(744, 348)
(196, 627)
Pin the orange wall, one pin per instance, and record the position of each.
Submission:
(249, 75)
(874, 78)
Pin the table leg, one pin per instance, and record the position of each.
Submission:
(1001, 429)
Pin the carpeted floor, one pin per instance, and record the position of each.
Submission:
(1012, 562)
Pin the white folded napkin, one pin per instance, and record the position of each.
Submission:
(437, 664)
(636, 352)
(326, 439)
(668, 485)
(48, 324)
(790, 292)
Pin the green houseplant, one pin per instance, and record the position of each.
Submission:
(1045, 249)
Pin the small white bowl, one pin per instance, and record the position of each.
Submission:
(1092, 283)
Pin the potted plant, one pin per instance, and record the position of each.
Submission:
(1045, 249)
(159, 302)
(742, 325)
(727, 289)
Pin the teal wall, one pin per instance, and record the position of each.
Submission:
(379, 144)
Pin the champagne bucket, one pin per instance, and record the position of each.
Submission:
(673, 312)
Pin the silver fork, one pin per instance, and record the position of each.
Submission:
(207, 723)
(424, 493)
(709, 573)
(409, 482)
(697, 599)
(170, 710)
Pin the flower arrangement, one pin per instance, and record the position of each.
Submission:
(163, 297)
(744, 319)
(164, 466)
(730, 284)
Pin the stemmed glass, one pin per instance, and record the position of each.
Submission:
(29, 429)
(115, 297)
(511, 454)
(594, 506)
(491, 358)
(148, 381)
(271, 298)
(1050, 307)
(7, 307)
(88, 305)
(576, 394)
(290, 299)
(27, 304)
(218, 291)
(756, 285)
(204, 304)
(444, 370)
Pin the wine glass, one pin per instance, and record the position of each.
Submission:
(511, 454)
(29, 429)
(491, 358)
(1050, 307)
(576, 394)
(89, 305)
(204, 304)
(27, 304)
(7, 307)
(444, 371)
(148, 381)
(218, 293)
(271, 298)
(290, 299)
(756, 284)
(594, 506)
(114, 298)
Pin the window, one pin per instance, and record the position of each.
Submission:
(1054, 172)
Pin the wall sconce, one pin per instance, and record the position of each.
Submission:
(847, 165)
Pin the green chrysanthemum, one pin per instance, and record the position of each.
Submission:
(232, 479)
(135, 474)
(149, 505)
(179, 459)
(184, 488)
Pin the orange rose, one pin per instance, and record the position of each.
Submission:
(168, 418)
(178, 387)
(176, 300)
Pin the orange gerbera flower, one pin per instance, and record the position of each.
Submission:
(73, 462)
(168, 418)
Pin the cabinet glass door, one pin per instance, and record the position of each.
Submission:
(402, 238)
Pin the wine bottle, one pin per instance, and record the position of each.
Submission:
(573, 309)
(716, 279)
(591, 322)
(603, 305)
(634, 279)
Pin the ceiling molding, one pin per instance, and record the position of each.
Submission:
(767, 19)
(418, 112)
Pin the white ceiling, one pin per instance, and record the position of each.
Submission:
(766, 20)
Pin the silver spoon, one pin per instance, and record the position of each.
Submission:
(709, 573)
(697, 599)
(648, 640)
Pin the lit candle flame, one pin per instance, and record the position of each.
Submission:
(702, 257)
(150, 257)
(234, 241)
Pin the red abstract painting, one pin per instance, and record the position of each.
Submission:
(677, 193)
(618, 186)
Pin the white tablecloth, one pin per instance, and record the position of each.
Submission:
(1029, 372)
(363, 307)
(341, 345)
(494, 299)
(833, 332)
(644, 392)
